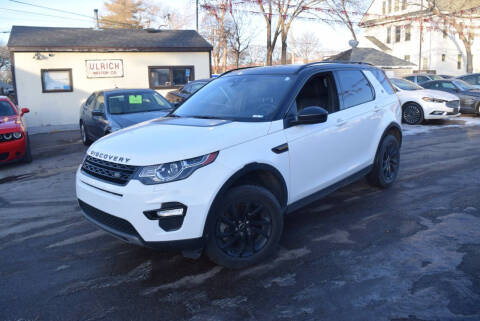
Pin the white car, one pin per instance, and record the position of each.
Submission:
(220, 172)
(419, 104)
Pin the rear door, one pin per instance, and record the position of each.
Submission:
(98, 122)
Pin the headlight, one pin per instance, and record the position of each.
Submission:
(7, 136)
(174, 171)
(17, 135)
(434, 100)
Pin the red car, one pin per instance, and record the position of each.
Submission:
(14, 143)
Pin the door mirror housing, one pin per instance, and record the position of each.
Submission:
(98, 113)
(311, 115)
(24, 111)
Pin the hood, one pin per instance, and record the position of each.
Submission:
(125, 120)
(9, 123)
(429, 93)
(167, 139)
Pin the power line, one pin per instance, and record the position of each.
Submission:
(40, 14)
(106, 21)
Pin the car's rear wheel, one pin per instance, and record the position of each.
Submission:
(83, 133)
(412, 114)
(387, 163)
(244, 228)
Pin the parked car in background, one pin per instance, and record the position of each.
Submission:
(225, 167)
(472, 79)
(420, 78)
(419, 104)
(14, 142)
(469, 95)
(178, 96)
(446, 76)
(107, 111)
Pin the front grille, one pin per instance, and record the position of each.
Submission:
(113, 222)
(3, 156)
(453, 104)
(108, 171)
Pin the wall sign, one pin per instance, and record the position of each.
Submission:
(106, 68)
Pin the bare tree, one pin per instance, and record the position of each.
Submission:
(342, 10)
(5, 68)
(268, 12)
(306, 45)
(242, 35)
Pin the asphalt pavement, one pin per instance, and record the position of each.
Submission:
(408, 253)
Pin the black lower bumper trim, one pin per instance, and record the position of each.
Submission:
(123, 230)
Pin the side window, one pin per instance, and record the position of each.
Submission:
(448, 85)
(318, 91)
(355, 88)
(100, 104)
(382, 79)
(186, 90)
(411, 78)
(429, 85)
(90, 100)
(421, 79)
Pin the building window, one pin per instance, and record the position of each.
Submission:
(389, 6)
(170, 76)
(444, 57)
(389, 34)
(407, 58)
(56, 80)
(404, 4)
(384, 8)
(459, 62)
(408, 33)
(397, 5)
(398, 33)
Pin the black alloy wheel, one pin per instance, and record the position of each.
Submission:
(390, 162)
(412, 114)
(244, 227)
(387, 163)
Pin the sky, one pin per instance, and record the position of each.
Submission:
(15, 13)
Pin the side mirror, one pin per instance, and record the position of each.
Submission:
(311, 115)
(97, 113)
(24, 111)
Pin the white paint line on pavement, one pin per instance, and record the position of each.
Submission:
(80, 238)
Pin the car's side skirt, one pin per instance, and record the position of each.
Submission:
(330, 189)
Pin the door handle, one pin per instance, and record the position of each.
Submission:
(341, 122)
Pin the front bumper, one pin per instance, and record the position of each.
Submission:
(12, 150)
(120, 209)
(439, 111)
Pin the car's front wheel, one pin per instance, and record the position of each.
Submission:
(387, 163)
(244, 228)
(83, 133)
(412, 114)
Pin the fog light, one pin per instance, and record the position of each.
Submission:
(170, 212)
(437, 112)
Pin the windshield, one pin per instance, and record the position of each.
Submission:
(404, 84)
(463, 85)
(136, 102)
(239, 97)
(436, 77)
(6, 109)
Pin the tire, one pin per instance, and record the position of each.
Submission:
(477, 110)
(412, 114)
(84, 135)
(244, 228)
(27, 158)
(387, 163)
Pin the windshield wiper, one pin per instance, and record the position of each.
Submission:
(205, 117)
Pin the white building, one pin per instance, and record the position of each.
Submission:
(55, 69)
(396, 27)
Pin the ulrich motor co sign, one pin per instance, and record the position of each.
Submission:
(104, 68)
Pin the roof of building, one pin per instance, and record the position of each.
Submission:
(371, 56)
(23, 38)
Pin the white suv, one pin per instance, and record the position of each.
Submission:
(221, 171)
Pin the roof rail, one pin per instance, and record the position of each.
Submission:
(240, 68)
(332, 62)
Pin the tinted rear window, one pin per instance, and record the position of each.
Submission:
(355, 88)
(6, 109)
(382, 79)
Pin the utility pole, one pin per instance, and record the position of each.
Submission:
(196, 14)
(421, 38)
(95, 15)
